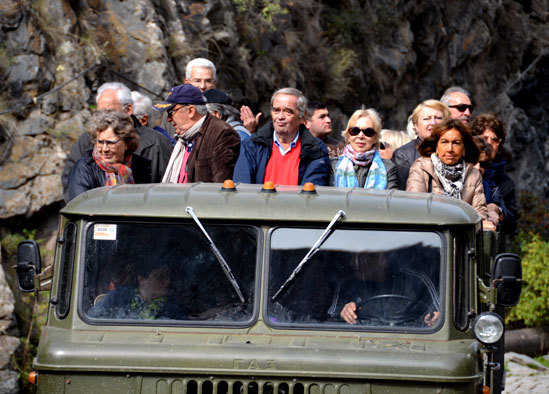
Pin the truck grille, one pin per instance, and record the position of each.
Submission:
(230, 386)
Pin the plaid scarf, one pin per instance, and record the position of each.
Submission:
(115, 174)
(452, 178)
(346, 175)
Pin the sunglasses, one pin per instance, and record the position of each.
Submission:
(495, 140)
(462, 107)
(384, 145)
(369, 132)
(171, 112)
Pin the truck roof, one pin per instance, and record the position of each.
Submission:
(288, 203)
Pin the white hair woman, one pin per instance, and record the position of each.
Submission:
(361, 165)
(424, 117)
(390, 140)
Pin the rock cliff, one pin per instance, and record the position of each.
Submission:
(388, 55)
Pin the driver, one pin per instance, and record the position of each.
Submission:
(373, 276)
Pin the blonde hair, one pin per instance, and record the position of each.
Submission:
(363, 113)
(434, 104)
(394, 138)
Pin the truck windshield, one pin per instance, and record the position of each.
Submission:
(147, 273)
(359, 279)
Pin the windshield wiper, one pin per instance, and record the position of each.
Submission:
(312, 251)
(218, 255)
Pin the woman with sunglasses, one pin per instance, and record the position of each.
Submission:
(361, 165)
(499, 189)
(111, 162)
(446, 166)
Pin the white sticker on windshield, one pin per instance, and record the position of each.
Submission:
(105, 232)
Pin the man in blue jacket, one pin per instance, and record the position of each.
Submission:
(284, 151)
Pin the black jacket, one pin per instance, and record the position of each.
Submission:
(152, 145)
(86, 174)
(403, 158)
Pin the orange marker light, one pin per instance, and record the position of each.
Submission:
(33, 377)
(228, 186)
(308, 188)
(268, 187)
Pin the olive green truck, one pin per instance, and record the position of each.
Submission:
(216, 289)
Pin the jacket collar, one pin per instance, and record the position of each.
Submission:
(310, 146)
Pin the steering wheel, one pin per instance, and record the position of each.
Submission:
(391, 309)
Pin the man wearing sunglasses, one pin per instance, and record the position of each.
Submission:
(207, 147)
(459, 102)
(284, 151)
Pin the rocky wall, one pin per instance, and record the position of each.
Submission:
(388, 55)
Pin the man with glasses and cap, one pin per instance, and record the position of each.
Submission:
(459, 102)
(207, 147)
(284, 151)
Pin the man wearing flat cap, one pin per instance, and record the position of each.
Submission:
(219, 104)
(207, 148)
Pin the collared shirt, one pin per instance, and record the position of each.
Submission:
(281, 148)
(183, 170)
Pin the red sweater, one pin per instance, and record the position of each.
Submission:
(284, 170)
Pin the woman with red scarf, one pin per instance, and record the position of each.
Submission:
(111, 162)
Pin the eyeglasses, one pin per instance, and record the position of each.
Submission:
(495, 140)
(368, 132)
(462, 107)
(110, 144)
(207, 81)
(172, 111)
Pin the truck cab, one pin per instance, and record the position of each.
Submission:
(222, 289)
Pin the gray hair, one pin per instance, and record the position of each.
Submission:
(123, 93)
(142, 105)
(301, 99)
(394, 138)
(121, 124)
(446, 97)
(201, 108)
(199, 62)
(224, 110)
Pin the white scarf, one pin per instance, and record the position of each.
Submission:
(176, 159)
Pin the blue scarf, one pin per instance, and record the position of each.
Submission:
(345, 175)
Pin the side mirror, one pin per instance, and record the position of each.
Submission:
(28, 264)
(507, 278)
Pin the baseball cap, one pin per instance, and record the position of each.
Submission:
(181, 94)
(215, 96)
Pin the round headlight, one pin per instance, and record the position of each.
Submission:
(488, 328)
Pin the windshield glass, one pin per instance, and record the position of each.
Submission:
(360, 279)
(160, 273)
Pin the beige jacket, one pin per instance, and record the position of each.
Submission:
(472, 192)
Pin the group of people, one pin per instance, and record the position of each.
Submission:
(448, 153)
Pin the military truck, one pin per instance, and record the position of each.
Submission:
(224, 289)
